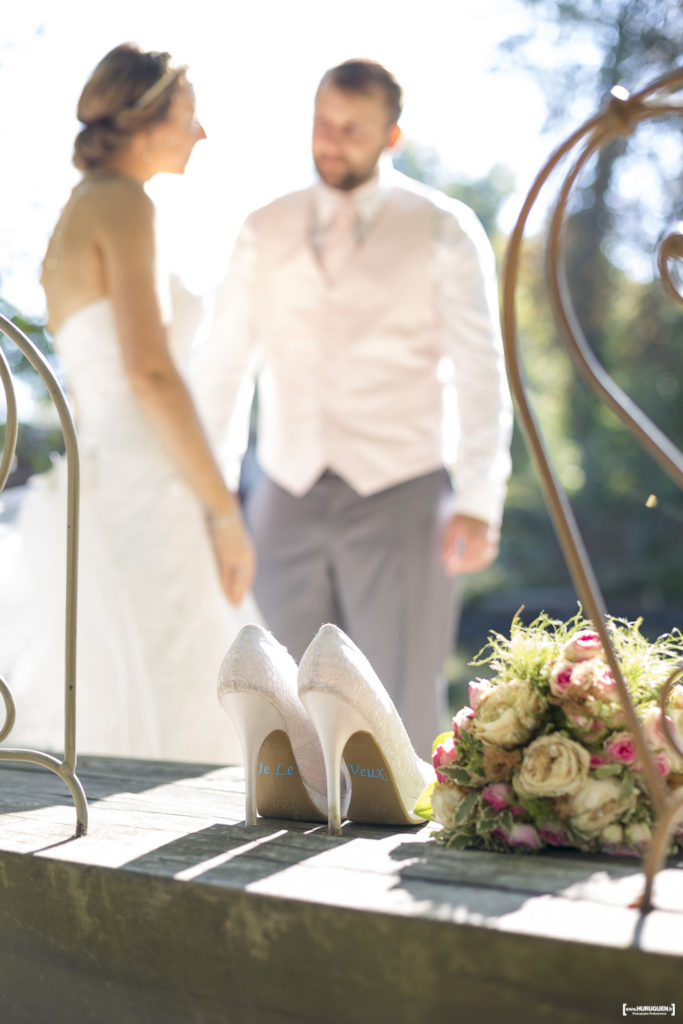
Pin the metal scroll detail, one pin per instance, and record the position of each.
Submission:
(621, 116)
(66, 768)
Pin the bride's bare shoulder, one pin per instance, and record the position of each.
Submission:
(112, 195)
(106, 209)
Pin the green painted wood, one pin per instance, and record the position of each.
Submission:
(171, 910)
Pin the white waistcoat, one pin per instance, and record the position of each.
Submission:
(349, 376)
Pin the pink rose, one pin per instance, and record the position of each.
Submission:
(500, 795)
(597, 760)
(652, 726)
(560, 677)
(662, 763)
(581, 721)
(461, 721)
(590, 729)
(604, 684)
(444, 753)
(664, 758)
(553, 834)
(477, 689)
(621, 747)
(591, 676)
(583, 645)
(572, 679)
(525, 837)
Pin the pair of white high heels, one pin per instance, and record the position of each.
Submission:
(322, 741)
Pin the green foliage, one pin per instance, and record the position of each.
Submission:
(35, 449)
(529, 651)
(37, 442)
(486, 195)
(633, 327)
(35, 331)
(596, 44)
(469, 770)
(423, 807)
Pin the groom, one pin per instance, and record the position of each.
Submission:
(359, 302)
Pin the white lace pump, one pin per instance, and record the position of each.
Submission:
(284, 769)
(356, 720)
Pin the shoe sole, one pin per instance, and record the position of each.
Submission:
(280, 793)
(374, 793)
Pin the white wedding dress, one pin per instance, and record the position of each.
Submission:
(153, 624)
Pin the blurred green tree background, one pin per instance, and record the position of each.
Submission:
(40, 436)
(631, 323)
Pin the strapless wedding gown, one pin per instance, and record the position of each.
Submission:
(153, 623)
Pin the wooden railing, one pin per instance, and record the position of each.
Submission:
(65, 768)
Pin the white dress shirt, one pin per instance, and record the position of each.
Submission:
(391, 373)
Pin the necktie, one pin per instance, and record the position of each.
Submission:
(339, 239)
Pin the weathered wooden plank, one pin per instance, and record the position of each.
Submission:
(195, 952)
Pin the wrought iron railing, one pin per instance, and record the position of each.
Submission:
(65, 768)
(620, 118)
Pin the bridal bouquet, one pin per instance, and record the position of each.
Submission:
(542, 757)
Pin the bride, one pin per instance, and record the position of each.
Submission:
(165, 561)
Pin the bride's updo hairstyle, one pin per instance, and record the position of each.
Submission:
(128, 91)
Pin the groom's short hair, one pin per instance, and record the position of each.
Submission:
(365, 76)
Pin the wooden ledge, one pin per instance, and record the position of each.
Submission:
(171, 910)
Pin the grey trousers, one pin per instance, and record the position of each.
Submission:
(371, 565)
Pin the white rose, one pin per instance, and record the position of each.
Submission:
(597, 804)
(639, 835)
(446, 798)
(612, 835)
(552, 765)
(590, 674)
(508, 714)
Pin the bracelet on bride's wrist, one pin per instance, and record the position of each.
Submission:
(219, 522)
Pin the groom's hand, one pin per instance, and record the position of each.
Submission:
(469, 545)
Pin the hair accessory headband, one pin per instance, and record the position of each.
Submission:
(155, 90)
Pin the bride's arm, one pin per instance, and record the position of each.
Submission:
(127, 245)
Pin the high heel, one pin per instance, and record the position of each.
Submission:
(356, 721)
(283, 761)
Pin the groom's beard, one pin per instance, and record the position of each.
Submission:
(338, 174)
